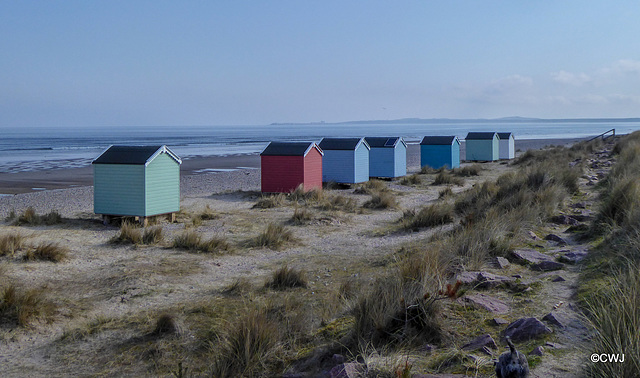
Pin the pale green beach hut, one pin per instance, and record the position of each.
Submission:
(137, 181)
(482, 146)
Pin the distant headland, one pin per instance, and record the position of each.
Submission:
(456, 120)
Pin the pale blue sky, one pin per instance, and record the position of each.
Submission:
(101, 63)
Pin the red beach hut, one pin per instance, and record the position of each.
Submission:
(286, 165)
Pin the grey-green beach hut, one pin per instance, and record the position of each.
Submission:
(138, 181)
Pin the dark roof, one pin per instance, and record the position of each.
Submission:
(484, 135)
(505, 135)
(380, 142)
(288, 149)
(341, 143)
(134, 155)
(437, 140)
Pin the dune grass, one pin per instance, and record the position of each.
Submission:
(381, 200)
(47, 251)
(20, 307)
(429, 216)
(447, 178)
(130, 233)
(11, 243)
(411, 180)
(286, 277)
(29, 217)
(193, 241)
(275, 236)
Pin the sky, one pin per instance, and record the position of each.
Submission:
(143, 63)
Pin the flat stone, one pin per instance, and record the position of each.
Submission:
(533, 235)
(547, 266)
(501, 262)
(480, 342)
(558, 279)
(537, 351)
(525, 329)
(553, 345)
(555, 238)
(529, 256)
(572, 257)
(553, 319)
(487, 302)
(564, 219)
(482, 279)
(499, 321)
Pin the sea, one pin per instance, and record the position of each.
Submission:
(44, 148)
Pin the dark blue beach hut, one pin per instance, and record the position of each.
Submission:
(346, 160)
(440, 151)
(482, 146)
(388, 157)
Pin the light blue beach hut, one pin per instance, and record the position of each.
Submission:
(138, 181)
(387, 157)
(440, 151)
(345, 161)
(482, 146)
(507, 145)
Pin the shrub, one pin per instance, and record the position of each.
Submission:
(18, 307)
(301, 216)
(413, 179)
(128, 234)
(270, 201)
(285, 278)
(11, 243)
(47, 252)
(381, 200)
(273, 237)
(188, 239)
(446, 178)
(246, 349)
(430, 216)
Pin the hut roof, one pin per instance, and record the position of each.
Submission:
(133, 155)
(384, 142)
(438, 140)
(342, 143)
(289, 149)
(505, 135)
(481, 135)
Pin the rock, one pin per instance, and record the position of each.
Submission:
(537, 351)
(480, 342)
(518, 276)
(553, 345)
(482, 279)
(529, 256)
(338, 359)
(499, 321)
(572, 257)
(555, 238)
(487, 302)
(564, 219)
(552, 318)
(547, 266)
(558, 279)
(526, 329)
(347, 370)
(579, 205)
(501, 262)
(439, 376)
(533, 235)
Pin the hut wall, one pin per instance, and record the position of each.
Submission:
(313, 170)
(438, 156)
(400, 157)
(507, 148)
(338, 166)
(162, 186)
(281, 174)
(381, 162)
(118, 189)
(361, 165)
(482, 149)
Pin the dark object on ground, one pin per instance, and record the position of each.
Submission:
(512, 364)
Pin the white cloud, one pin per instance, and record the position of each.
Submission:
(627, 66)
(508, 83)
(570, 78)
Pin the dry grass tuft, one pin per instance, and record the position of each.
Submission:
(468, 171)
(270, 201)
(192, 241)
(30, 218)
(434, 215)
(129, 234)
(47, 252)
(165, 325)
(372, 187)
(381, 200)
(238, 287)
(275, 236)
(215, 244)
(410, 180)
(338, 203)
(152, 235)
(285, 278)
(21, 307)
(301, 216)
(11, 243)
(446, 178)
(445, 193)
(245, 351)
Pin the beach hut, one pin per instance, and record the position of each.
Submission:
(139, 181)
(482, 146)
(346, 160)
(387, 157)
(286, 165)
(440, 151)
(507, 146)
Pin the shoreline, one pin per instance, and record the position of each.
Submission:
(19, 183)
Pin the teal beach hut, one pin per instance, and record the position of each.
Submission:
(440, 151)
(482, 146)
(387, 157)
(138, 181)
(345, 161)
